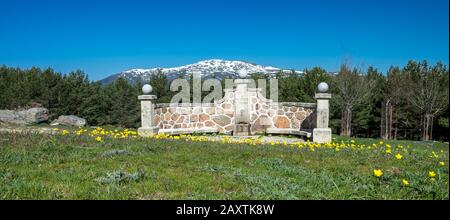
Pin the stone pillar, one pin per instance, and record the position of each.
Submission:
(322, 133)
(147, 127)
(242, 108)
(241, 101)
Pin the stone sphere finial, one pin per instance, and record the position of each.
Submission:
(147, 89)
(322, 87)
(242, 73)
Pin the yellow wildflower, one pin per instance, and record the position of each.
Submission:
(405, 182)
(99, 139)
(434, 154)
(377, 172)
(388, 151)
(441, 163)
(398, 156)
(431, 174)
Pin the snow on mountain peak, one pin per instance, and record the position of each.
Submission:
(216, 68)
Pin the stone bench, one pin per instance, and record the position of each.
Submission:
(292, 131)
(177, 131)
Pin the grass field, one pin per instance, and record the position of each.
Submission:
(108, 164)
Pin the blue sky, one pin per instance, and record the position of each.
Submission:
(106, 37)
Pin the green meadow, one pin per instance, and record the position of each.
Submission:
(121, 165)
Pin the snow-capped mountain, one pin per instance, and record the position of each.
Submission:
(214, 68)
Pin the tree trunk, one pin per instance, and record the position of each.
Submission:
(427, 124)
(386, 112)
(390, 121)
(349, 122)
(423, 127)
(346, 122)
(382, 123)
(431, 127)
(343, 119)
(395, 124)
(386, 120)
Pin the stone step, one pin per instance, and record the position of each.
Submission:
(188, 131)
(292, 131)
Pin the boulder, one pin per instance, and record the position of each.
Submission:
(10, 116)
(71, 120)
(35, 115)
(29, 116)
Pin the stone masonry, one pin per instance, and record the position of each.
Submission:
(222, 116)
(263, 114)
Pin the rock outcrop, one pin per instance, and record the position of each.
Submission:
(29, 116)
(70, 120)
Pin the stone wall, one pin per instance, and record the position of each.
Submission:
(283, 115)
(220, 115)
